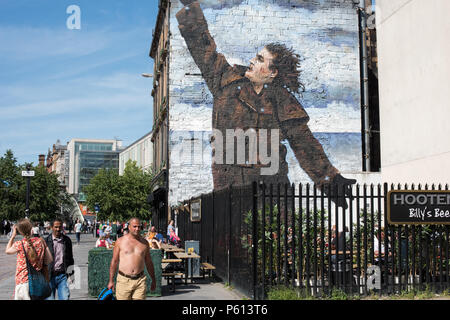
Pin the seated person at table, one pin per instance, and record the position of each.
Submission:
(174, 239)
(159, 237)
(108, 238)
(102, 243)
(379, 245)
(338, 243)
(151, 233)
(154, 244)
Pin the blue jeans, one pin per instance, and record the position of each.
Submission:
(59, 283)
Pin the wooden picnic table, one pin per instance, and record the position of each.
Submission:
(186, 257)
(171, 248)
(170, 275)
(174, 250)
(170, 260)
(165, 246)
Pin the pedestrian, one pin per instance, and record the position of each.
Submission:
(47, 227)
(38, 254)
(7, 227)
(130, 256)
(35, 230)
(97, 229)
(108, 228)
(60, 246)
(125, 228)
(119, 230)
(102, 243)
(77, 229)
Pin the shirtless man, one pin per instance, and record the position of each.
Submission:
(131, 254)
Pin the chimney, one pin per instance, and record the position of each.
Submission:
(41, 160)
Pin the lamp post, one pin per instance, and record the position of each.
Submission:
(97, 209)
(28, 174)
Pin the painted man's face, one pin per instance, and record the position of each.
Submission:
(259, 71)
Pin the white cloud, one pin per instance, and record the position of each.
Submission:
(26, 43)
(101, 106)
(337, 117)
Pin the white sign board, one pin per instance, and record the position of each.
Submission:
(27, 173)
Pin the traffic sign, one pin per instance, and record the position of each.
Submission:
(27, 173)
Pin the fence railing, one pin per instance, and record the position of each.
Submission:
(262, 236)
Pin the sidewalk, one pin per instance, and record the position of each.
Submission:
(199, 290)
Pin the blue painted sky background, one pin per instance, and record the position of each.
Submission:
(57, 83)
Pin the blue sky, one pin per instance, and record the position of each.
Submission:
(57, 83)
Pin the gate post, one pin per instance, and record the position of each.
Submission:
(255, 239)
(230, 204)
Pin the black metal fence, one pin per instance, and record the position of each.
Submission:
(263, 236)
(223, 232)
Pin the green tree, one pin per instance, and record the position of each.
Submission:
(46, 195)
(135, 189)
(10, 205)
(103, 190)
(120, 197)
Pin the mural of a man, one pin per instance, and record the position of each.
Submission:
(259, 96)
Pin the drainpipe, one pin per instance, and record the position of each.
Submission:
(364, 84)
(167, 111)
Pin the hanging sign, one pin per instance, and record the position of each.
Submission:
(27, 173)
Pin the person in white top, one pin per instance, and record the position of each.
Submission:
(378, 248)
(77, 229)
(35, 230)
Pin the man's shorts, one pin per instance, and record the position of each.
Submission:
(131, 289)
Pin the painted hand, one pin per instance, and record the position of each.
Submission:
(343, 190)
(187, 2)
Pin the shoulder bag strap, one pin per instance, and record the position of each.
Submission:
(26, 257)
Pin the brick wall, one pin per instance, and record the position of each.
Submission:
(323, 32)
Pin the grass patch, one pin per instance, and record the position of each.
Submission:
(289, 293)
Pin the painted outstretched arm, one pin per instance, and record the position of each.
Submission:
(194, 29)
(313, 160)
(187, 2)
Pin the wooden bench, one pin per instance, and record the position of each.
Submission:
(205, 266)
(170, 260)
(171, 276)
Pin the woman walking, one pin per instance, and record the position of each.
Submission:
(37, 253)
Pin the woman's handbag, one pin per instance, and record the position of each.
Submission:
(38, 286)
